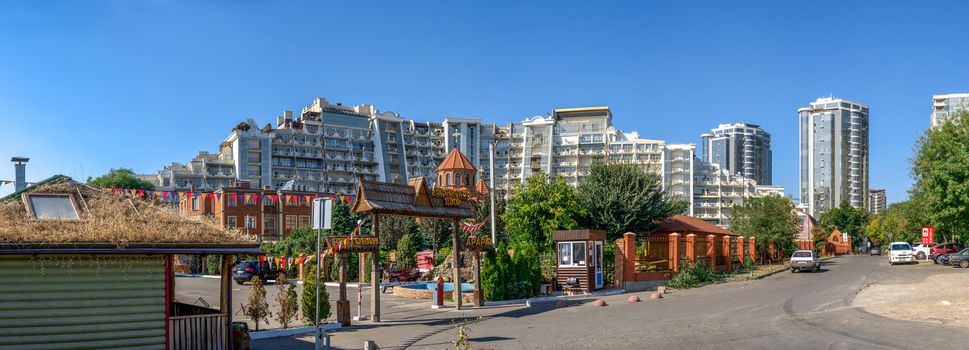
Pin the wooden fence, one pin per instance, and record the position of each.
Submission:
(199, 332)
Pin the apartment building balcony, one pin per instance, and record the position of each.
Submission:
(282, 141)
(336, 135)
(309, 155)
(280, 152)
(709, 195)
(340, 179)
(221, 174)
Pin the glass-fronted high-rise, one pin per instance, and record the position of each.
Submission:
(833, 154)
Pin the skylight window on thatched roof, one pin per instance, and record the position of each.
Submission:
(51, 206)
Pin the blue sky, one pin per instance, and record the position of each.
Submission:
(139, 84)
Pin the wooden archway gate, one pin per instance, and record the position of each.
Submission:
(415, 199)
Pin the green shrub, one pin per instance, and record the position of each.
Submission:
(308, 298)
(441, 255)
(693, 275)
(406, 252)
(213, 264)
(683, 281)
(506, 278)
(528, 271)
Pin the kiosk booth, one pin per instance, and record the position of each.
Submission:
(579, 260)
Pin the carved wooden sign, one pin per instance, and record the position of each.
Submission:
(478, 243)
(354, 244)
(452, 198)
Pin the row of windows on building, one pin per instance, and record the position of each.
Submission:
(250, 222)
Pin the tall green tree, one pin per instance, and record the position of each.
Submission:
(623, 198)
(539, 206)
(120, 178)
(912, 216)
(887, 226)
(940, 169)
(406, 252)
(345, 221)
(769, 218)
(846, 219)
(483, 214)
(394, 227)
(435, 232)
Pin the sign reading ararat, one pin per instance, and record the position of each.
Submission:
(478, 243)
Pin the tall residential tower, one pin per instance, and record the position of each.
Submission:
(739, 148)
(833, 154)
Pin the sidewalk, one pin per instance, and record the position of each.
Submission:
(762, 271)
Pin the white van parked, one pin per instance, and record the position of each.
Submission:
(900, 252)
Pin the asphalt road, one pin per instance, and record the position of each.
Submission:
(784, 311)
(190, 289)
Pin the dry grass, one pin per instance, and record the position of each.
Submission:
(108, 218)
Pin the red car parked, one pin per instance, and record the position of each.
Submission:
(943, 248)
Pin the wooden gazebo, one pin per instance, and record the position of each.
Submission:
(417, 200)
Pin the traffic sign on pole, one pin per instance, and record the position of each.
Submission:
(322, 214)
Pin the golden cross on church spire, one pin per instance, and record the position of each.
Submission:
(457, 138)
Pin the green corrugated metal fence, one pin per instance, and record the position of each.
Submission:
(82, 301)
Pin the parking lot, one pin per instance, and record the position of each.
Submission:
(920, 292)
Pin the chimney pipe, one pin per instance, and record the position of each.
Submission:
(20, 169)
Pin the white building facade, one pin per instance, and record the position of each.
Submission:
(833, 135)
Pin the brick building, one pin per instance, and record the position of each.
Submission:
(269, 214)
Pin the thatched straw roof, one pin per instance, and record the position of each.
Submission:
(105, 219)
(413, 199)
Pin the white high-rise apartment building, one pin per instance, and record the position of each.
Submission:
(739, 148)
(945, 105)
(877, 201)
(833, 154)
(329, 146)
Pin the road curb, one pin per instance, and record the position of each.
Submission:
(288, 332)
(530, 301)
(195, 275)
